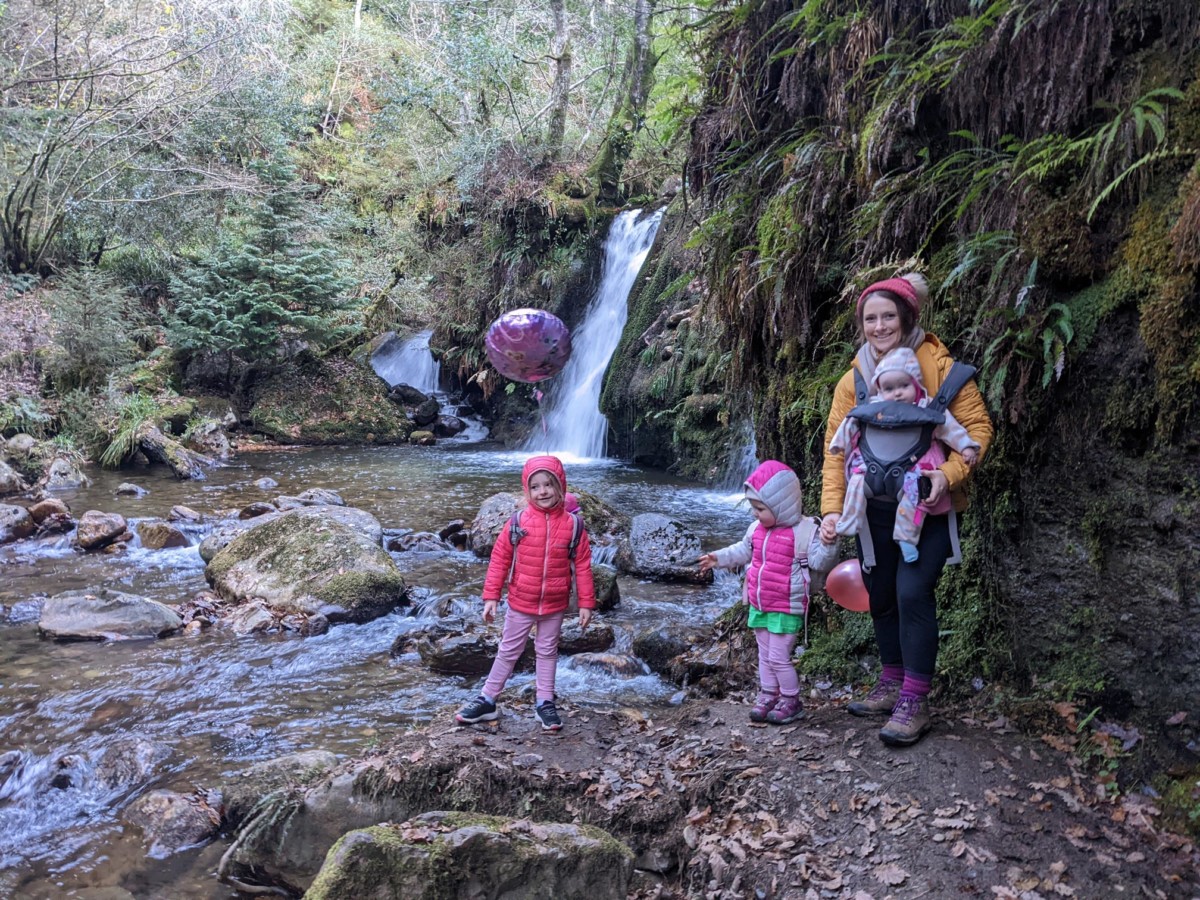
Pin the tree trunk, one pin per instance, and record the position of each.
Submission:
(629, 113)
(560, 93)
(161, 449)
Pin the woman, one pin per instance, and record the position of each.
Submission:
(903, 608)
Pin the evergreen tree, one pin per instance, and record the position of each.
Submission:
(274, 287)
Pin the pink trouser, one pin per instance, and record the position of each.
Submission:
(512, 645)
(776, 675)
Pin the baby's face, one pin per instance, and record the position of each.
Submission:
(896, 385)
(763, 514)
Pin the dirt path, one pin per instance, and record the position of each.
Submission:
(821, 808)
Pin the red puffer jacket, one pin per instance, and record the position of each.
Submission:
(541, 579)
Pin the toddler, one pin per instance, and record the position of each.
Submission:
(553, 546)
(898, 378)
(778, 550)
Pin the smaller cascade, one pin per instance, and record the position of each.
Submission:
(743, 457)
(408, 362)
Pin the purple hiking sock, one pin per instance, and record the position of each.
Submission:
(892, 673)
(916, 685)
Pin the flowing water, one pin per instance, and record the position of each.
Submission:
(574, 426)
(215, 704)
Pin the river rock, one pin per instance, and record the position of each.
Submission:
(19, 445)
(320, 497)
(574, 639)
(44, 509)
(129, 489)
(419, 542)
(275, 774)
(15, 523)
(467, 654)
(407, 641)
(104, 614)
(407, 395)
(426, 413)
(209, 439)
(130, 762)
(454, 854)
(658, 647)
(11, 481)
(448, 426)
(180, 513)
(606, 525)
(65, 475)
(172, 822)
(422, 438)
(319, 559)
(492, 516)
(161, 536)
(619, 665)
(258, 508)
(98, 529)
(608, 592)
(661, 548)
(249, 618)
(266, 484)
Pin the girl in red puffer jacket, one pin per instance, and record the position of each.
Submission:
(553, 547)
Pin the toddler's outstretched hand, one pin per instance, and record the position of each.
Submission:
(707, 561)
(489, 610)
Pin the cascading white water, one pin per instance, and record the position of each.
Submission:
(742, 460)
(409, 362)
(574, 425)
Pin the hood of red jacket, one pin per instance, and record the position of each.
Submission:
(550, 464)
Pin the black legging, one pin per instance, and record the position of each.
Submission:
(903, 606)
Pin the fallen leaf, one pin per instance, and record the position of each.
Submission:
(890, 874)
(1178, 719)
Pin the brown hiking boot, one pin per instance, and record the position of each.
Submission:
(880, 702)
(908, 724)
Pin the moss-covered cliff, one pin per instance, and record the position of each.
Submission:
(1039, 161)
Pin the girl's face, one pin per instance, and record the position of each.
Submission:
(895, 385)
(762, 513)
(544, 491)
(881, 324)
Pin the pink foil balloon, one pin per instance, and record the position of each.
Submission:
(528, 345)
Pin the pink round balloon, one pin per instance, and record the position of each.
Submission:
(528, 345)
(845, 585)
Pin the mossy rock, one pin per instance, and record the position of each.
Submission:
(444, 855)
(326, 560)
(328, 401)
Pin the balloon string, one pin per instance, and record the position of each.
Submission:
(537, 395)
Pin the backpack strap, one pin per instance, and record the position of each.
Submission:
(956, 379)
(515, 533)
(577, 531)
(861, 391)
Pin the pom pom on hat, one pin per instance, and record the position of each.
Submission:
(911, 288)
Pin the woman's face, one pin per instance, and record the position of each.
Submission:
(881, 324)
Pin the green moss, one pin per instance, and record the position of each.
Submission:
(1181, 801)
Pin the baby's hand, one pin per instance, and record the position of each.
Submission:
(970, 457)
(707, 561)
(489, 610)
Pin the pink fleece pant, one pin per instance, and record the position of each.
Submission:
(517, 626)
(776, 675)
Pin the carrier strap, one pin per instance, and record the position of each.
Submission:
(861, 391)
(956, 379)
(516, 532)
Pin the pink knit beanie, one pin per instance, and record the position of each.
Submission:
(901, 287)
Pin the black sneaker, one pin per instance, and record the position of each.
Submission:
(547, 714)
(481, 709)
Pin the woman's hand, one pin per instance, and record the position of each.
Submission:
(829, 525)
(707, 561)
(938, 486)
(585, 618)
(489, 610)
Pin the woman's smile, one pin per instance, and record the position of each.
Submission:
(881, 324)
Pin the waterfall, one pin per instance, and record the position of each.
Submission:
(574, 425)
(743, 457)
(408, 362)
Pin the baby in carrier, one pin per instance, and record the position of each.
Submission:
(895, 437)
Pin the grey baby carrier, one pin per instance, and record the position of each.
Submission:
(894, 435)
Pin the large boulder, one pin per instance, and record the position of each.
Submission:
(11, 481)
(15, 523)
(277, 774)
(99, 615)
(492, 516)
(221, 535)
(662, 549)
(315, 560)
(171, 822)
(99, 529)
(64, 474)
(470, 653)
(454, 854)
